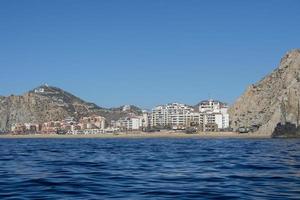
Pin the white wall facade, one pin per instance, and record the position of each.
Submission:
(215, 112)
(174, 115)
(180, 115)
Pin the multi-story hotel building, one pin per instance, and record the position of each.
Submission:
(92, 122)
(174, 115)
(214, 112)
(212, 116)
(129, 123)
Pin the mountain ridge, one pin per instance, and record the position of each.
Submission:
(47, 103)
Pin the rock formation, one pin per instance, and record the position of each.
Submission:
(274, 99)
(47, 103)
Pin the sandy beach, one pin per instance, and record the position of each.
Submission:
(162, 134)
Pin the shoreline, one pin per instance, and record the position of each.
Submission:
(163, 134)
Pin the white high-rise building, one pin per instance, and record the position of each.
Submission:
(129, 123)
(174, 115)
(145, 119)
(214, 112)
(212, 116)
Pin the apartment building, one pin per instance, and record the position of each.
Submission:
(130, 123)
(212, 116)
(174, 115)
(92, 122)
(214, 112)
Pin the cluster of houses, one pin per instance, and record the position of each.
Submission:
(86, 125)
(209, 116)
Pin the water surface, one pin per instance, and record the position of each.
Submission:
(149, 168)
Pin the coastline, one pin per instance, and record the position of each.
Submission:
(162, 134)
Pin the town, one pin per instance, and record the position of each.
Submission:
(210, 116)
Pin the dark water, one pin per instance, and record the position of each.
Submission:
(149, 169)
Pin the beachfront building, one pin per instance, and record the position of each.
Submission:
(52, 127)
(69, 125)
(19, 128)
(92, 122)
(195, 119)
(173, 115)
(130, 123)
(146, 119)
(214, 115)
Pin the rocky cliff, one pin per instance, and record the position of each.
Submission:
(273, 100)
(47, 103)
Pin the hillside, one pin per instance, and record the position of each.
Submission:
(273, 100)
(47, 103)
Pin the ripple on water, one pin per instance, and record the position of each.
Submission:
(149, 168)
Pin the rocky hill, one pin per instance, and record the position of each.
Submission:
(273, 100)
(47, 103)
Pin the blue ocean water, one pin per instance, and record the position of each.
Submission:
(149, 168)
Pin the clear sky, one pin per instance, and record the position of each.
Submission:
(141, 52)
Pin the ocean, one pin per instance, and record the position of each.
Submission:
(162, 168)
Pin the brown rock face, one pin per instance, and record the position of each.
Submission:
(48, 103)
(272, 100)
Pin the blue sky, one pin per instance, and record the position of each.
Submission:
(144, 52)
